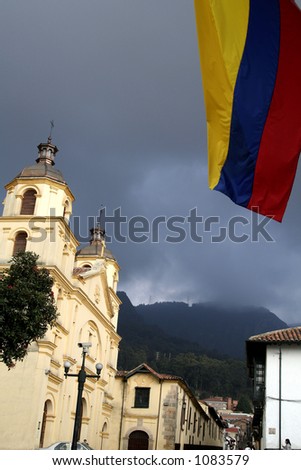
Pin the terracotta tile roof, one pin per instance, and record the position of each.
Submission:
(288, 335)
(146, 367)
(218, 399)
(163, 376)
(233, 429)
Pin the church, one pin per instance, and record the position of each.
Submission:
(39, 396)
(38, 403)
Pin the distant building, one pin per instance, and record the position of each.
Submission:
(214, 429)
(159, 411)
(221, 403)
(273, 361)
(243, 422)
(37, 404)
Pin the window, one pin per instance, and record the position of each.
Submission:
(194, 421)
(44, 421)
(67, 210)
(204, 430)
(87, 267)
(183, 414)
(142, 397)
(259, 381)
(20, 243)
(189, 418)
(29, 202)
(259, 373)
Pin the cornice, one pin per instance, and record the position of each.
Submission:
(44, 218)
(39, 180)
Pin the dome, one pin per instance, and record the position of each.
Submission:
(41, 170)
(95, 250)
(44, 164)
(97, 246)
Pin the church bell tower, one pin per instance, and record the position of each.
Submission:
(36, 213)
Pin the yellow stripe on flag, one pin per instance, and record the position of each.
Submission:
(222, 28)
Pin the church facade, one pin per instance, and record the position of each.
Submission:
(37, 406)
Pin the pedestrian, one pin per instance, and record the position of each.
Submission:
(287, 445)
(249, 446)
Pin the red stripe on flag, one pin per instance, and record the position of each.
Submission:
(281, 141)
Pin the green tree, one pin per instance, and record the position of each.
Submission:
(27, 307)
(244, 404)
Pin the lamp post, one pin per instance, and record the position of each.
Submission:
(82, 375)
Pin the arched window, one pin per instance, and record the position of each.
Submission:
(66, 204)
(20, 243)
(103, 435)
(67, 210)
(28, 202)
(87, 267)
(115, 281)
(138, 440)
(47, 409)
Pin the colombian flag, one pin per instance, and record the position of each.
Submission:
(251, 69)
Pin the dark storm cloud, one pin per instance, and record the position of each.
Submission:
(121, 79)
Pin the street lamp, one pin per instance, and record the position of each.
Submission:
(82, 375)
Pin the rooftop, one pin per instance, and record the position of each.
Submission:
(96, 247)
(44, 164)
(288, 335)
(146, 368)
(41, 170)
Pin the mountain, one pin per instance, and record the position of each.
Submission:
(214, 328)
(204, 343)
(142, 342)
(222, 329)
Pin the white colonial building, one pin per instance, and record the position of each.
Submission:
(37, 403)
(274, 362)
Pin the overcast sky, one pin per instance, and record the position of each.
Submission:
(121, 80)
